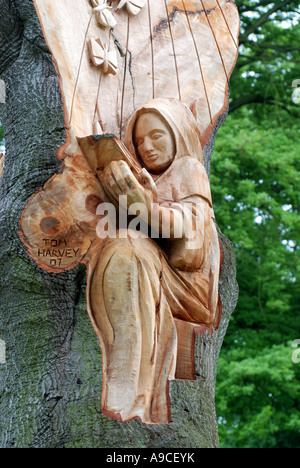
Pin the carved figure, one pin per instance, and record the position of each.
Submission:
(138, 285)
(149, 290)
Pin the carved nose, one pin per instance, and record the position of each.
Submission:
(148, 145)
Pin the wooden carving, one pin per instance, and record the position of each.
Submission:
(101, 56)
(143, 84)
(103, 13)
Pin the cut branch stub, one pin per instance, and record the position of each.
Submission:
(59, 223)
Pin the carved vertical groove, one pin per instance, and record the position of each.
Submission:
(174, 52)
(79, 68)
(124, 77)
(228, 27)
(152, 50)
(217, 44)
(199, 60)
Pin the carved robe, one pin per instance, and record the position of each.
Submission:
(141, 289)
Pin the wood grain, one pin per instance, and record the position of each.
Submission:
(185, 49)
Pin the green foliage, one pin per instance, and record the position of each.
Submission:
(268, 65)
(263, 391)
(255, 180)
(255, 183)
(2, 141)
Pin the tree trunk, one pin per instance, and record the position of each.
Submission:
(50, 385)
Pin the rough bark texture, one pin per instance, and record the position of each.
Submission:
(50, 386)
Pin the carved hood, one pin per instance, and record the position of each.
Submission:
(181, 121)
(188, 149)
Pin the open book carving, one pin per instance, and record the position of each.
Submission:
(133, 203)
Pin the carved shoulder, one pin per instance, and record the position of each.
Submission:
(188, 178)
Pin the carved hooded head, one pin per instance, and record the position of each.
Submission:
(177, 119)
(185, 176)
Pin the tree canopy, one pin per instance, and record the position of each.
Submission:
(255, 180)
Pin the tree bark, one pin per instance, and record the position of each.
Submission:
(50, 385)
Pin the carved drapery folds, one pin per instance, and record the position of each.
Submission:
(143, 84)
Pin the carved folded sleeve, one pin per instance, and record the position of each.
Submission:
(185, 188)
(140, 291)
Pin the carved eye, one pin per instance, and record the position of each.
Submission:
(140, 141)
(156, 136)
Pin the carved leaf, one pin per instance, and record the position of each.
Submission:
(58, 225)
(182, 49)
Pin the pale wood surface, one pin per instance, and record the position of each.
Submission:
(185, 49)
(52, 345)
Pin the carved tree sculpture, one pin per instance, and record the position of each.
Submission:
(143, 84)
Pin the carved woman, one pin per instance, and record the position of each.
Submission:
(139, 287)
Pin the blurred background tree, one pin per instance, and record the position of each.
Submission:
(256, 182)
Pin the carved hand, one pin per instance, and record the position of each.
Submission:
(118, 179)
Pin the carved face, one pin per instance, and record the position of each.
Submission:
(155, 142)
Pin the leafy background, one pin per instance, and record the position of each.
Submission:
(256, 188)
(255, 182)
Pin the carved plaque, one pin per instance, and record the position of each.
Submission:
(143, 83)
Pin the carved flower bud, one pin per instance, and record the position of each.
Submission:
(102, 57)
(103, 14)
(133, 6)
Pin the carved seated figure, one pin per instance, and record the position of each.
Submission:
(141, 288)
